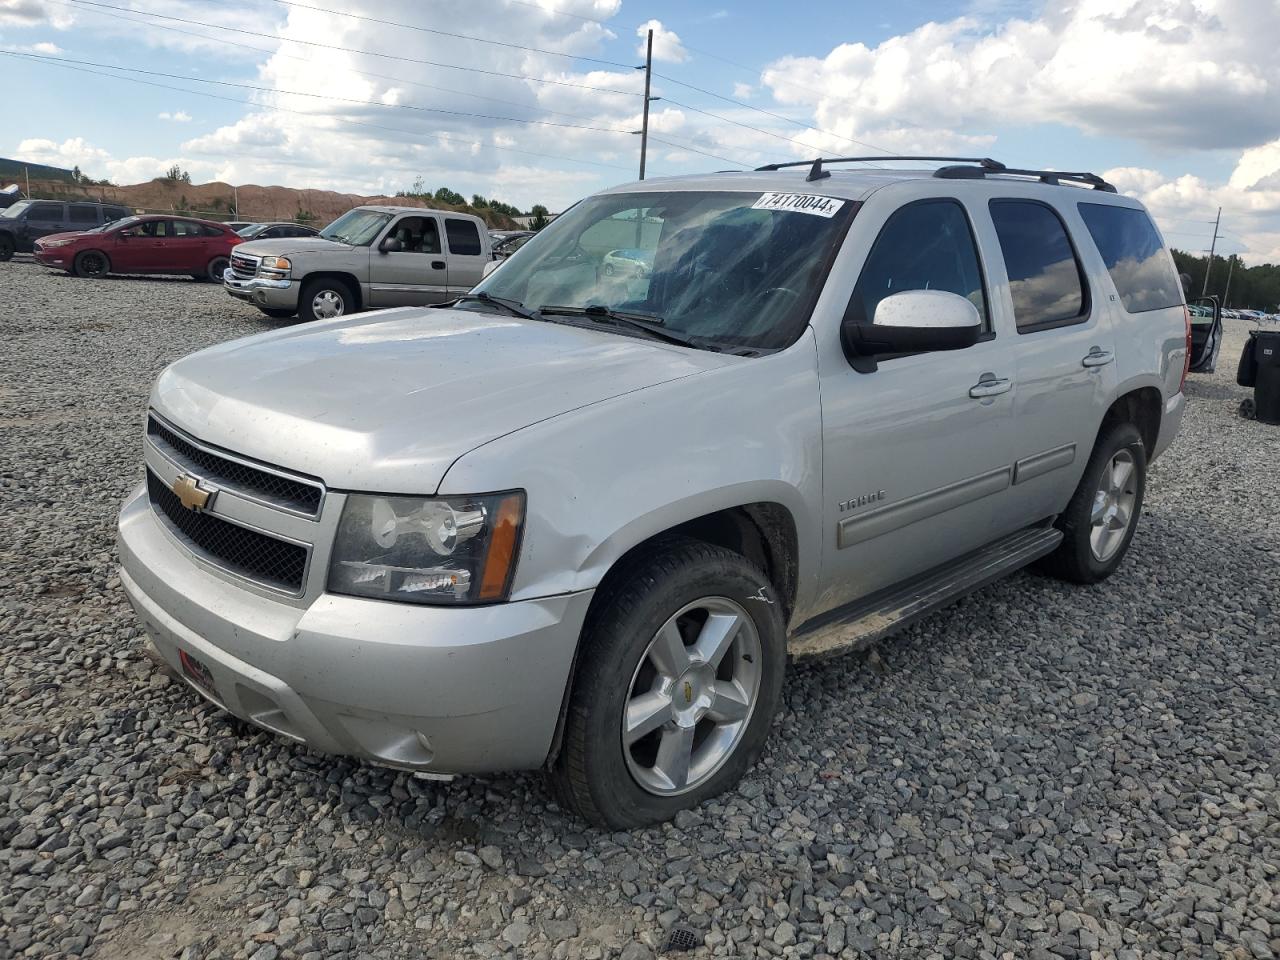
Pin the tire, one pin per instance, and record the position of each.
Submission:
(276, 313)
(91, 264)
(213, 272)
(316, 294)
(682, 583)
(1094, 542)
(609, 270)
(6, 247)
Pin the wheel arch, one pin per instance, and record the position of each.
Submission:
(349, 279)
(1142, 406)
(762, 531)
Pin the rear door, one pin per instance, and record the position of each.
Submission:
(82, 216)
(184, 249)
(1065, 350)
(417, 273)
(467, 254)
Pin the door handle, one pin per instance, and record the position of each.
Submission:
(437, 264)
(1097, 357)
(990, 386)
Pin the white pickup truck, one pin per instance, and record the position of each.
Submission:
(369, 257)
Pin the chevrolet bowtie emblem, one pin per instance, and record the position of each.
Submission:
(187, 489)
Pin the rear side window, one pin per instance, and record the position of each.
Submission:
(464, 237)
(925, 245)
(80, 213)
(114, 213)
(1045, 277)
(209, 231)
(1140, 267)
(45, 211)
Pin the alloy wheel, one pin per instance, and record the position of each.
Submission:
(692, 696)
(93, 264)
(327, 304)
(1113, 505)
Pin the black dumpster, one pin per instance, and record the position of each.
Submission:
(1260, 364)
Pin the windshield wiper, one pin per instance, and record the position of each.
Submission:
(642, 322)
(514, 307)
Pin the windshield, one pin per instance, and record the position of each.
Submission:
(356, 227)
(740, 270)
(14, 210)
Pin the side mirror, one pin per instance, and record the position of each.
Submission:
(491, 266)
(125, 234)
(391, 245)
(913, 321)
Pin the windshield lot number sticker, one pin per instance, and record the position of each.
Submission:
(800, 203)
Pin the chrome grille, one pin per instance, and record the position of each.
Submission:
(297, 494)
(247, 553)
(244, 267)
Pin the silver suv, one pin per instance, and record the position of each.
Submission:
(369, 257)
(581, 519)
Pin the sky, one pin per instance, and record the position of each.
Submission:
(1177, 102)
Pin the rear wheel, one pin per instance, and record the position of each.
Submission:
(680, 674)
(91, 264)
(1099, 522)
(6, 247)
(324, 299)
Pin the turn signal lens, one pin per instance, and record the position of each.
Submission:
(500, 562)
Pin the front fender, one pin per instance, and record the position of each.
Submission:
(606, 477)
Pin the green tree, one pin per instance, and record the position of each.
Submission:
(541, 216)
(479, 202)
(304, 216)
(176, 174)
(445, 195)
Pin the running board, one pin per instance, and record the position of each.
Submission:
(864, 622)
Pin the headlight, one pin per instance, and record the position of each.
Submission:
(275, 266)
(54, 243)
(443, 550)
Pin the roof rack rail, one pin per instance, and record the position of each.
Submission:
(817, 173)
(1044, 176)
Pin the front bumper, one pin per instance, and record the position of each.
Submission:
(262, 291)
(446, 690)
(57, 257)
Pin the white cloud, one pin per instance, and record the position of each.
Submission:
(666, 43)
(32, 13)
(1185, 206)
(743, 91)
(175, 116)
(1170, 72)
(44, 47)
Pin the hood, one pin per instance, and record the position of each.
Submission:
(68, 235)
(387, 401)
(283, 246)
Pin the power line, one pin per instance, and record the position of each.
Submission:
(456, 36)
(366, 53)
(364, 73)
(300, 113)
(321, 96)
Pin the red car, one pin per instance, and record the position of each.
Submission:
(149, 244)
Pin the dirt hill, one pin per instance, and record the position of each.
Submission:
(217, 201)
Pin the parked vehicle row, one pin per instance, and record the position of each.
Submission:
(578, 519)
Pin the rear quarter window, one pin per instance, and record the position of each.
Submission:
(1140, 267)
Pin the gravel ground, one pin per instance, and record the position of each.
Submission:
(1040, 771)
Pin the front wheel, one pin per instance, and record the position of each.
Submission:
(680, 674)
(1099, 522)
(325, 299)
(91, 264)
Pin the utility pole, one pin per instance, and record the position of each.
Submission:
(1212, 246)
(644, 123)
(1231, 264)
(27, 173)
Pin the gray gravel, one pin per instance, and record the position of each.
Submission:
(1041, 771)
